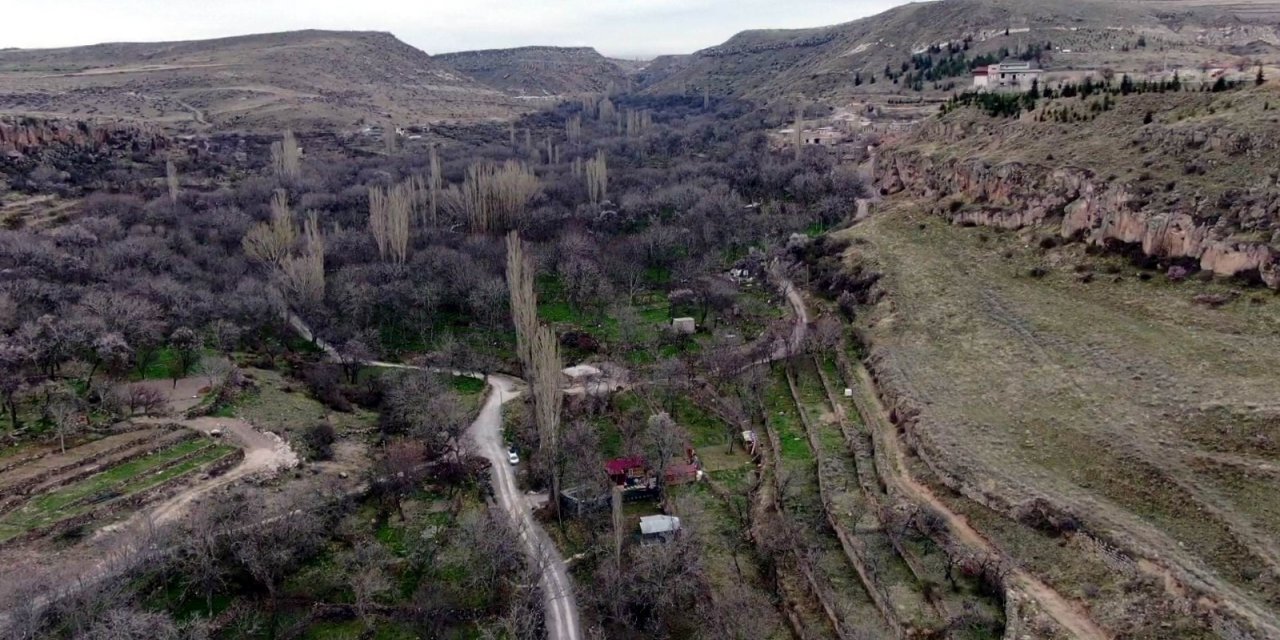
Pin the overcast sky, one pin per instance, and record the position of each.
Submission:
(630, 28)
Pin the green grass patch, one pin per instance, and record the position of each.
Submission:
(785, 421)
(704, 429)
(467, 385)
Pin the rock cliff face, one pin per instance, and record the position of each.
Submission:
(1081, 205)
(27, 136)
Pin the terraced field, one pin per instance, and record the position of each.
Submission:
(823, 568)
(92, 484)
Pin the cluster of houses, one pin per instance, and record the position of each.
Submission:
(636, 479)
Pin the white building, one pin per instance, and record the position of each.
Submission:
(1010, 75)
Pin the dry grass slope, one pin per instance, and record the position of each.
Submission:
(1147, 417)
(302, 80)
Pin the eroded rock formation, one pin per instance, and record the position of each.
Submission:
(1081, 205)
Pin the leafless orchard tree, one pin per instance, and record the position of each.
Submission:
(398, 471)
(270, 242)
(366, 569)
(278, 542)
(597, 171)
(205, 546)
(67, 417)
(286, 158)
(129, 623)
(389, 211)
(664, 440)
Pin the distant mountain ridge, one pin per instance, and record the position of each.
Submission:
(299, 79)
(539, 71)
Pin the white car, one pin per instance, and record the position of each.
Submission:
(512, 456)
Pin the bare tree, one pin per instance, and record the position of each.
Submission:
(664, 440)
(573, 128)
(524, 301)
(171, 179)
(398, 471)
(112, 353)
(277, 543)
(548, 397)
(286, 158)
(67, 417)
(434, 184)
(606, 110)
(13, 360)
(205, 549)
(799, 132)
(270, 242)
(186, 346)
(618, 524)
(492, 197)
(301, 276)
(389, 211)
(127, 623)
(366, 569)
(597, 171)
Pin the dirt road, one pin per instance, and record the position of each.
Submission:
(264, 454)
(557, 588)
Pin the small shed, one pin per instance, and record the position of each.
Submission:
(684, 326)
(659, 528)
(681, 473)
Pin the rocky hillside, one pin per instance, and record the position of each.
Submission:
(305, 80)
(830, 62)
(1194, 184)
(539, 71)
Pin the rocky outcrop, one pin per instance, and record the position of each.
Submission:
(27, 136)
(1082, 206)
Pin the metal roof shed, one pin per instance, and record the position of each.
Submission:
(659, 526)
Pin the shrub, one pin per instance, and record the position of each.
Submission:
(323, 384)
(318, 439)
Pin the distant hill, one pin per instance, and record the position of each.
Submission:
(1124, 35)
(302, 79)
(539, 71)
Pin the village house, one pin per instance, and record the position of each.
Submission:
(1010, 75)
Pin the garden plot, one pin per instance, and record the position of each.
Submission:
(111, 484)
(801, 503)
(25, 470)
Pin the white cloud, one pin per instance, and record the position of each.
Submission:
(616, 27)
